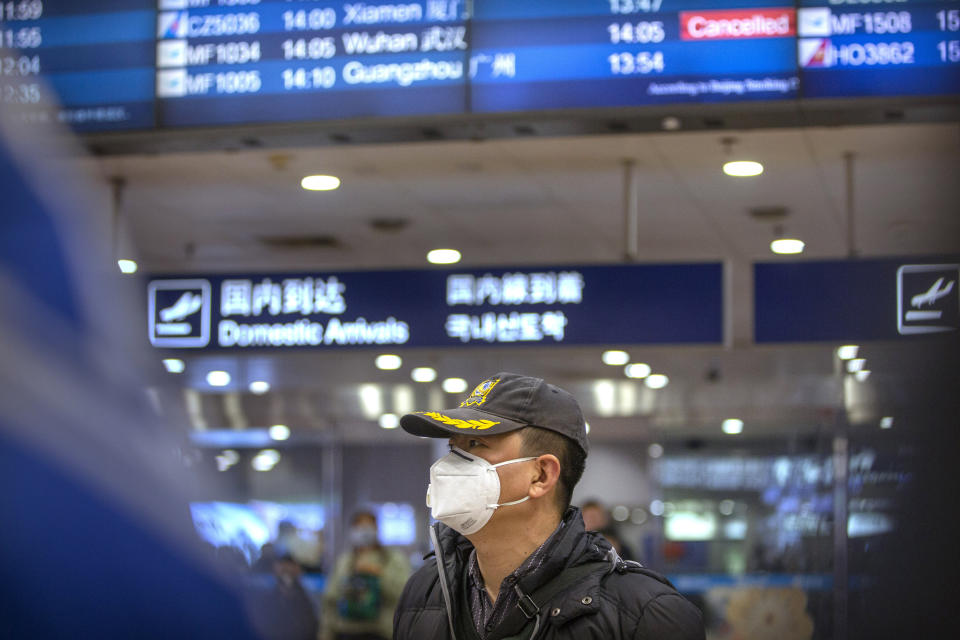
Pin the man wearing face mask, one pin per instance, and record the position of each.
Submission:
(511, 556)
(363, 589)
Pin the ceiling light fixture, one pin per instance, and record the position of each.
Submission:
(423, 374)
(862, 375)
(886, 422)
(615, 358)
(218, 378)
(174, 365)
(738, 168)
(732, 426)
(670, 123)
(637, 370)
(454, 385)
(656, 381)
(389, 421)
(787, 246)
(265, 460)
(127, 266)
(320, 183)
(856, 364)
(279, 432)
(443, 256)
(259, 387)
(782, 245)
(388, 362)
(742, 168)
(847, 351)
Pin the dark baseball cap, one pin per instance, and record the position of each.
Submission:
(503, 403)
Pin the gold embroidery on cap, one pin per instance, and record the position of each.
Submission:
(479, 395)
(459, 424)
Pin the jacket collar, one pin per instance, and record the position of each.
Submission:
(574, 546)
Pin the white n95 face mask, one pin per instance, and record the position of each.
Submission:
(464, 490)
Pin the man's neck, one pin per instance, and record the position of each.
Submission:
(504, 548)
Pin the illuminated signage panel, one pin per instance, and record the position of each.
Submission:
(643, 304)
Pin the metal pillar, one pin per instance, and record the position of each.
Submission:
(631, 211)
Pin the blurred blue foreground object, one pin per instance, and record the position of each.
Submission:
(96, 539)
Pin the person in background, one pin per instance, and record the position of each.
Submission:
(363, 590)
(305, 551)
(595, 515)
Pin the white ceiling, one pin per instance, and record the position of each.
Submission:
(527, 201)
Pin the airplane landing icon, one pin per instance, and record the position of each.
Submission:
(927, 298)
(931, 295)
(179, 312)
(188, 304)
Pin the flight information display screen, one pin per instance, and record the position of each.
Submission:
(144, 64)
(881, 48)
(96, 56)
(238, 61)
(590, 53)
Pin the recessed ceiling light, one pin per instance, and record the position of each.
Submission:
(847, 351)
(742, 168)
(787, 246)
(265, 460)
(227, 459)
(279, 432)
(655, 450)
(886, 422)
(320, 183)
(423, 374)
(637, 370)
(615, 358)
(443, 256)
(388, 362)
(127, 266)
(218, 378)
(670, 123)
(862, 375)
(389, 421)
(856, 364)
(454, 385)
(732, 426)
(174, 365)
(259, 387)
(656, 381)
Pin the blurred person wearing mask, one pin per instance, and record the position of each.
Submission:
(511, 556)
(290, 542)
(363, 590)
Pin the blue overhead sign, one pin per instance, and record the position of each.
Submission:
(637, 304)
(855, 299)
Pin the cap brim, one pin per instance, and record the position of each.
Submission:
(443, 424)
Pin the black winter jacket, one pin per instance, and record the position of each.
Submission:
(600, 596)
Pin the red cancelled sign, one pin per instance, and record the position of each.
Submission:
(738, 23)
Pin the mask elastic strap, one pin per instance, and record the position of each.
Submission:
(500, 464)
(507, 504)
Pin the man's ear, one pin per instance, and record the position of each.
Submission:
(546, 475)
